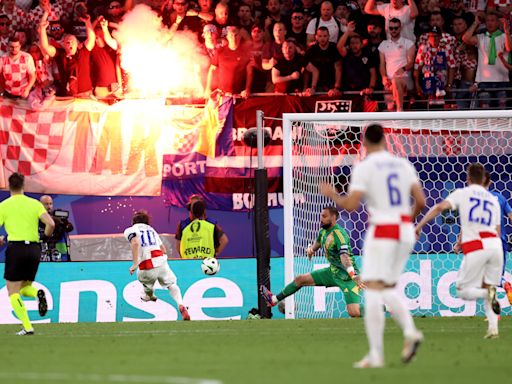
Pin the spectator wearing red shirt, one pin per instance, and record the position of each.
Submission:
(257, 77)
(230, 63)
(73, 60)
(273, 50)
(104, 74)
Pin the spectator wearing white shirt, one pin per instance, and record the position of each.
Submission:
(490, 72)
(396, 10)
(326, 19)
(396, 61)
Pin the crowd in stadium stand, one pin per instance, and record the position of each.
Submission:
(435, 52)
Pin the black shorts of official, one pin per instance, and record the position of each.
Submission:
(21, 261)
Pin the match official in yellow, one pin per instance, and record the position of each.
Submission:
(20, 216)
(201, 238)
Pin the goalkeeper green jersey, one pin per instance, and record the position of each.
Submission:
(335, 242)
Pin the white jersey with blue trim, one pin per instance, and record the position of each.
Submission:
(149, 241)
(479, 211)
(386, 181)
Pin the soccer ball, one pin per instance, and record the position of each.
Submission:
(210, 266)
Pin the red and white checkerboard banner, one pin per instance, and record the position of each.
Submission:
(32, 140)
(84, 147)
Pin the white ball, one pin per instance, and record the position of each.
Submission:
(210, 266)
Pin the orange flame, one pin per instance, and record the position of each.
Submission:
(157, 64)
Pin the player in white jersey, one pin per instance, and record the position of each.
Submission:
(150, 257)
(386, 182)
(480, 271)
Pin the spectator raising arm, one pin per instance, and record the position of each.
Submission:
(342, 43)
(47, 49)
(371, 8)
(469, 36)
(109, 40)
(413, 8)
(508, 39)
(91, 36)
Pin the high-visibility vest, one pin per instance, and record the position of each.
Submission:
(197, 240)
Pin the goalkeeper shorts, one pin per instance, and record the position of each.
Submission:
(326, 278)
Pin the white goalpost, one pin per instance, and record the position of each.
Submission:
(323, 147)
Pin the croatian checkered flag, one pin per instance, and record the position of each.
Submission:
(31, 141)
(185, 141)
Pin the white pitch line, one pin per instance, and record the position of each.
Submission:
(111, 378)
(237, 331)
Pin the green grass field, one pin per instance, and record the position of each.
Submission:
(259, 351)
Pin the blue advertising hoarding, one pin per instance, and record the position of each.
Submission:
(105, 292)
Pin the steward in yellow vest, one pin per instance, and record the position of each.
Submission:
(197, 240)
(198, 237)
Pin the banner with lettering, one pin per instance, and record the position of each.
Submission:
(226, 180)
(89, 148)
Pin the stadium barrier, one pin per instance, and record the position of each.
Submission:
(110, 247)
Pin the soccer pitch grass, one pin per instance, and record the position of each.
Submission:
(258, 351)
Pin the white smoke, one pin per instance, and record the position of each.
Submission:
(158, 65)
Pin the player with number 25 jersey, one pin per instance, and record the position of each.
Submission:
(479, 212)
(480, 270)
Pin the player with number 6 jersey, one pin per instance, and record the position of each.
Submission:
(480, 270)
(150, 257)
(386, 182)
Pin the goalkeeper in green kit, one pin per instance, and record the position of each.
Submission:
(342, 272)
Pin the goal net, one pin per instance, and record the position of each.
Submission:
(324, 147)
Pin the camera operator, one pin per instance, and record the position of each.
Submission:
(56, 248)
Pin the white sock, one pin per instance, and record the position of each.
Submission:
(374, 322)
(175, 292)
(492, 318)
(399, 311)
(472, 293)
